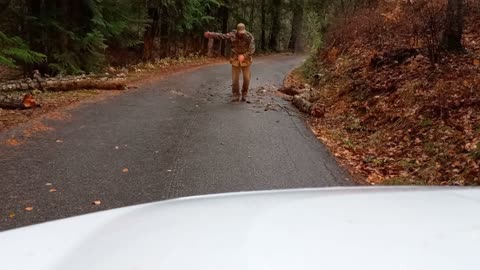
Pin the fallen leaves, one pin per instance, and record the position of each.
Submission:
(52, 190)
(423, 131)
(97, 202)
(36, 127)
(29, 208)
(11, 214)
(13, 142)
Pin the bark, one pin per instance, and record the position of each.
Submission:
(252, 14)
(18, 102)
(150, 34)
(66, 84)
(276, 7)
(210, 47)
(296, 44)
(452, 37)
(164, 41)
(4, 6)
(290, 90)
(263, 41)
(302, 102)
(225, 15)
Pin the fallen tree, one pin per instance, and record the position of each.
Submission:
(18, 102)
(67, 83)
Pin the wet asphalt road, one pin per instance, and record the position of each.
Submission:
(178, 137)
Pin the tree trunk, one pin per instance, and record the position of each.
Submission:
(452, 37)
(150, 34)
(224, 10)
(252, 14)
(276, 7)
(164, 33)
(295, 44)
(210, 47)
(18, 103)
(263, 38)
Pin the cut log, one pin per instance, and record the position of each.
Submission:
(65, 84)
(302, 103)
(290, 90)
(18, 102)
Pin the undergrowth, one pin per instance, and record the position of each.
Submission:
(398, 109)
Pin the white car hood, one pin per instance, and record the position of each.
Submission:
(340, 228)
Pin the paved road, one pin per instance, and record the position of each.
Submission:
(177, 137)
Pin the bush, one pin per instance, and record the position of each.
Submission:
(309, 68)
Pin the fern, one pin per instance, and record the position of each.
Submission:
(7, 61)
(66, 62)
(122, 22)
(14, 51)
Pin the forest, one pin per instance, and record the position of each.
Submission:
(74, 37)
